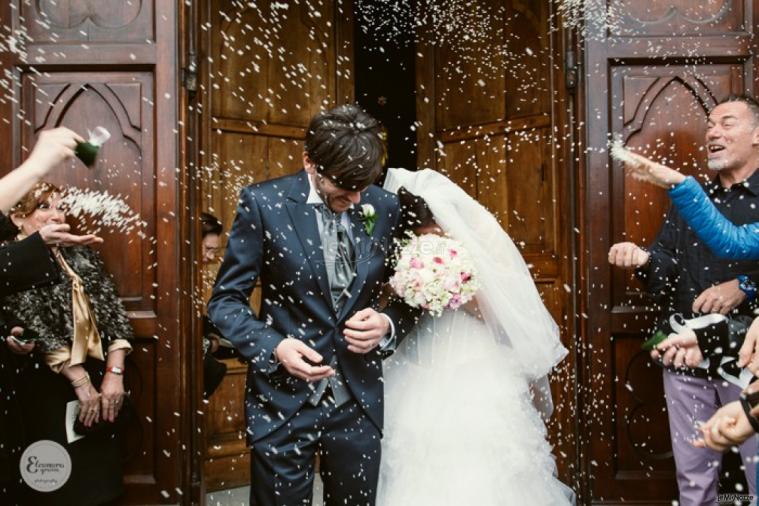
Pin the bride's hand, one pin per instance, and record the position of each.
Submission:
(643, 169)
(473, 308)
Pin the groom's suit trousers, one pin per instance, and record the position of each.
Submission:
(282, 463)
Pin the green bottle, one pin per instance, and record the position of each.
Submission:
(87, 151)
(654, 340)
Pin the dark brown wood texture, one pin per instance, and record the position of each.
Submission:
(651, 78)
(113, 64)
(496, 127)
(266, 70)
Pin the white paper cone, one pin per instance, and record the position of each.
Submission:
(99, 136)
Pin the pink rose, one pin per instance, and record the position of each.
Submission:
(416, 263)
(451, 285)
(455, 302)
(438, 260)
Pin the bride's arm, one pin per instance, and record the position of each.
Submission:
(473, 308)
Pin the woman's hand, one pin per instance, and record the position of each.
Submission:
(728, 427)
(680, 350)
(112, 392)
(17, 347)
(89, 404)
(52, 148)
(89, 398)
(57, 234)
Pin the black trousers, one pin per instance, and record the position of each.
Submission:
(282, 463)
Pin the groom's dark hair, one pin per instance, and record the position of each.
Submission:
(346, 145)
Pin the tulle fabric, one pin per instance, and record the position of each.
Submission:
(509, 301)
(460, 426)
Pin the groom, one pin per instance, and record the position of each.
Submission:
(314, 351)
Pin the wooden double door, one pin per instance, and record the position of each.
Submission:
(266, 70)
(114, 64)
(650, 76)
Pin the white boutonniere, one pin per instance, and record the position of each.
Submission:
(369, 217)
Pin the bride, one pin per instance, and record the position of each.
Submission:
(461, 422)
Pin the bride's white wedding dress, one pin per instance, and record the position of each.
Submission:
(460, 426)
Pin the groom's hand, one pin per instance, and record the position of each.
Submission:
(292, 354)
(365, 330)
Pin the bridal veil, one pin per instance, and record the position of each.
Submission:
(508, 299)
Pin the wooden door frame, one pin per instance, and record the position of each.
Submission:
(194, 491)
(192, 469)
(570, 125)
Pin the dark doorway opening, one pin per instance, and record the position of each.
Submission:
(385, 86)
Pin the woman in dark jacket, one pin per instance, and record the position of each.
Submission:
(83, 333)
(24, 265)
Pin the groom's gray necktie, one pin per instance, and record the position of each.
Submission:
(339, 261)
(338, 255)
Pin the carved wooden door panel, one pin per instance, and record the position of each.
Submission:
(112, 64)
(266, 69)
(495, 124)
(661, 106)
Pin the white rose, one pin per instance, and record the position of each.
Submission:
(367, 210)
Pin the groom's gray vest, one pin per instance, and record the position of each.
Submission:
(339, 259)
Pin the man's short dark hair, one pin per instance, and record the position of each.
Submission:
(346, 146)
(750, 102)
(209, 224)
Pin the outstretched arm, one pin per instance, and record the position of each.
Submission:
(722, 236)
(53, 147)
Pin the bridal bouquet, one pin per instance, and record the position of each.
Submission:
(434, 273)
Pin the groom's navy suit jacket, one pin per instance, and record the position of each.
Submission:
(275, 237)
